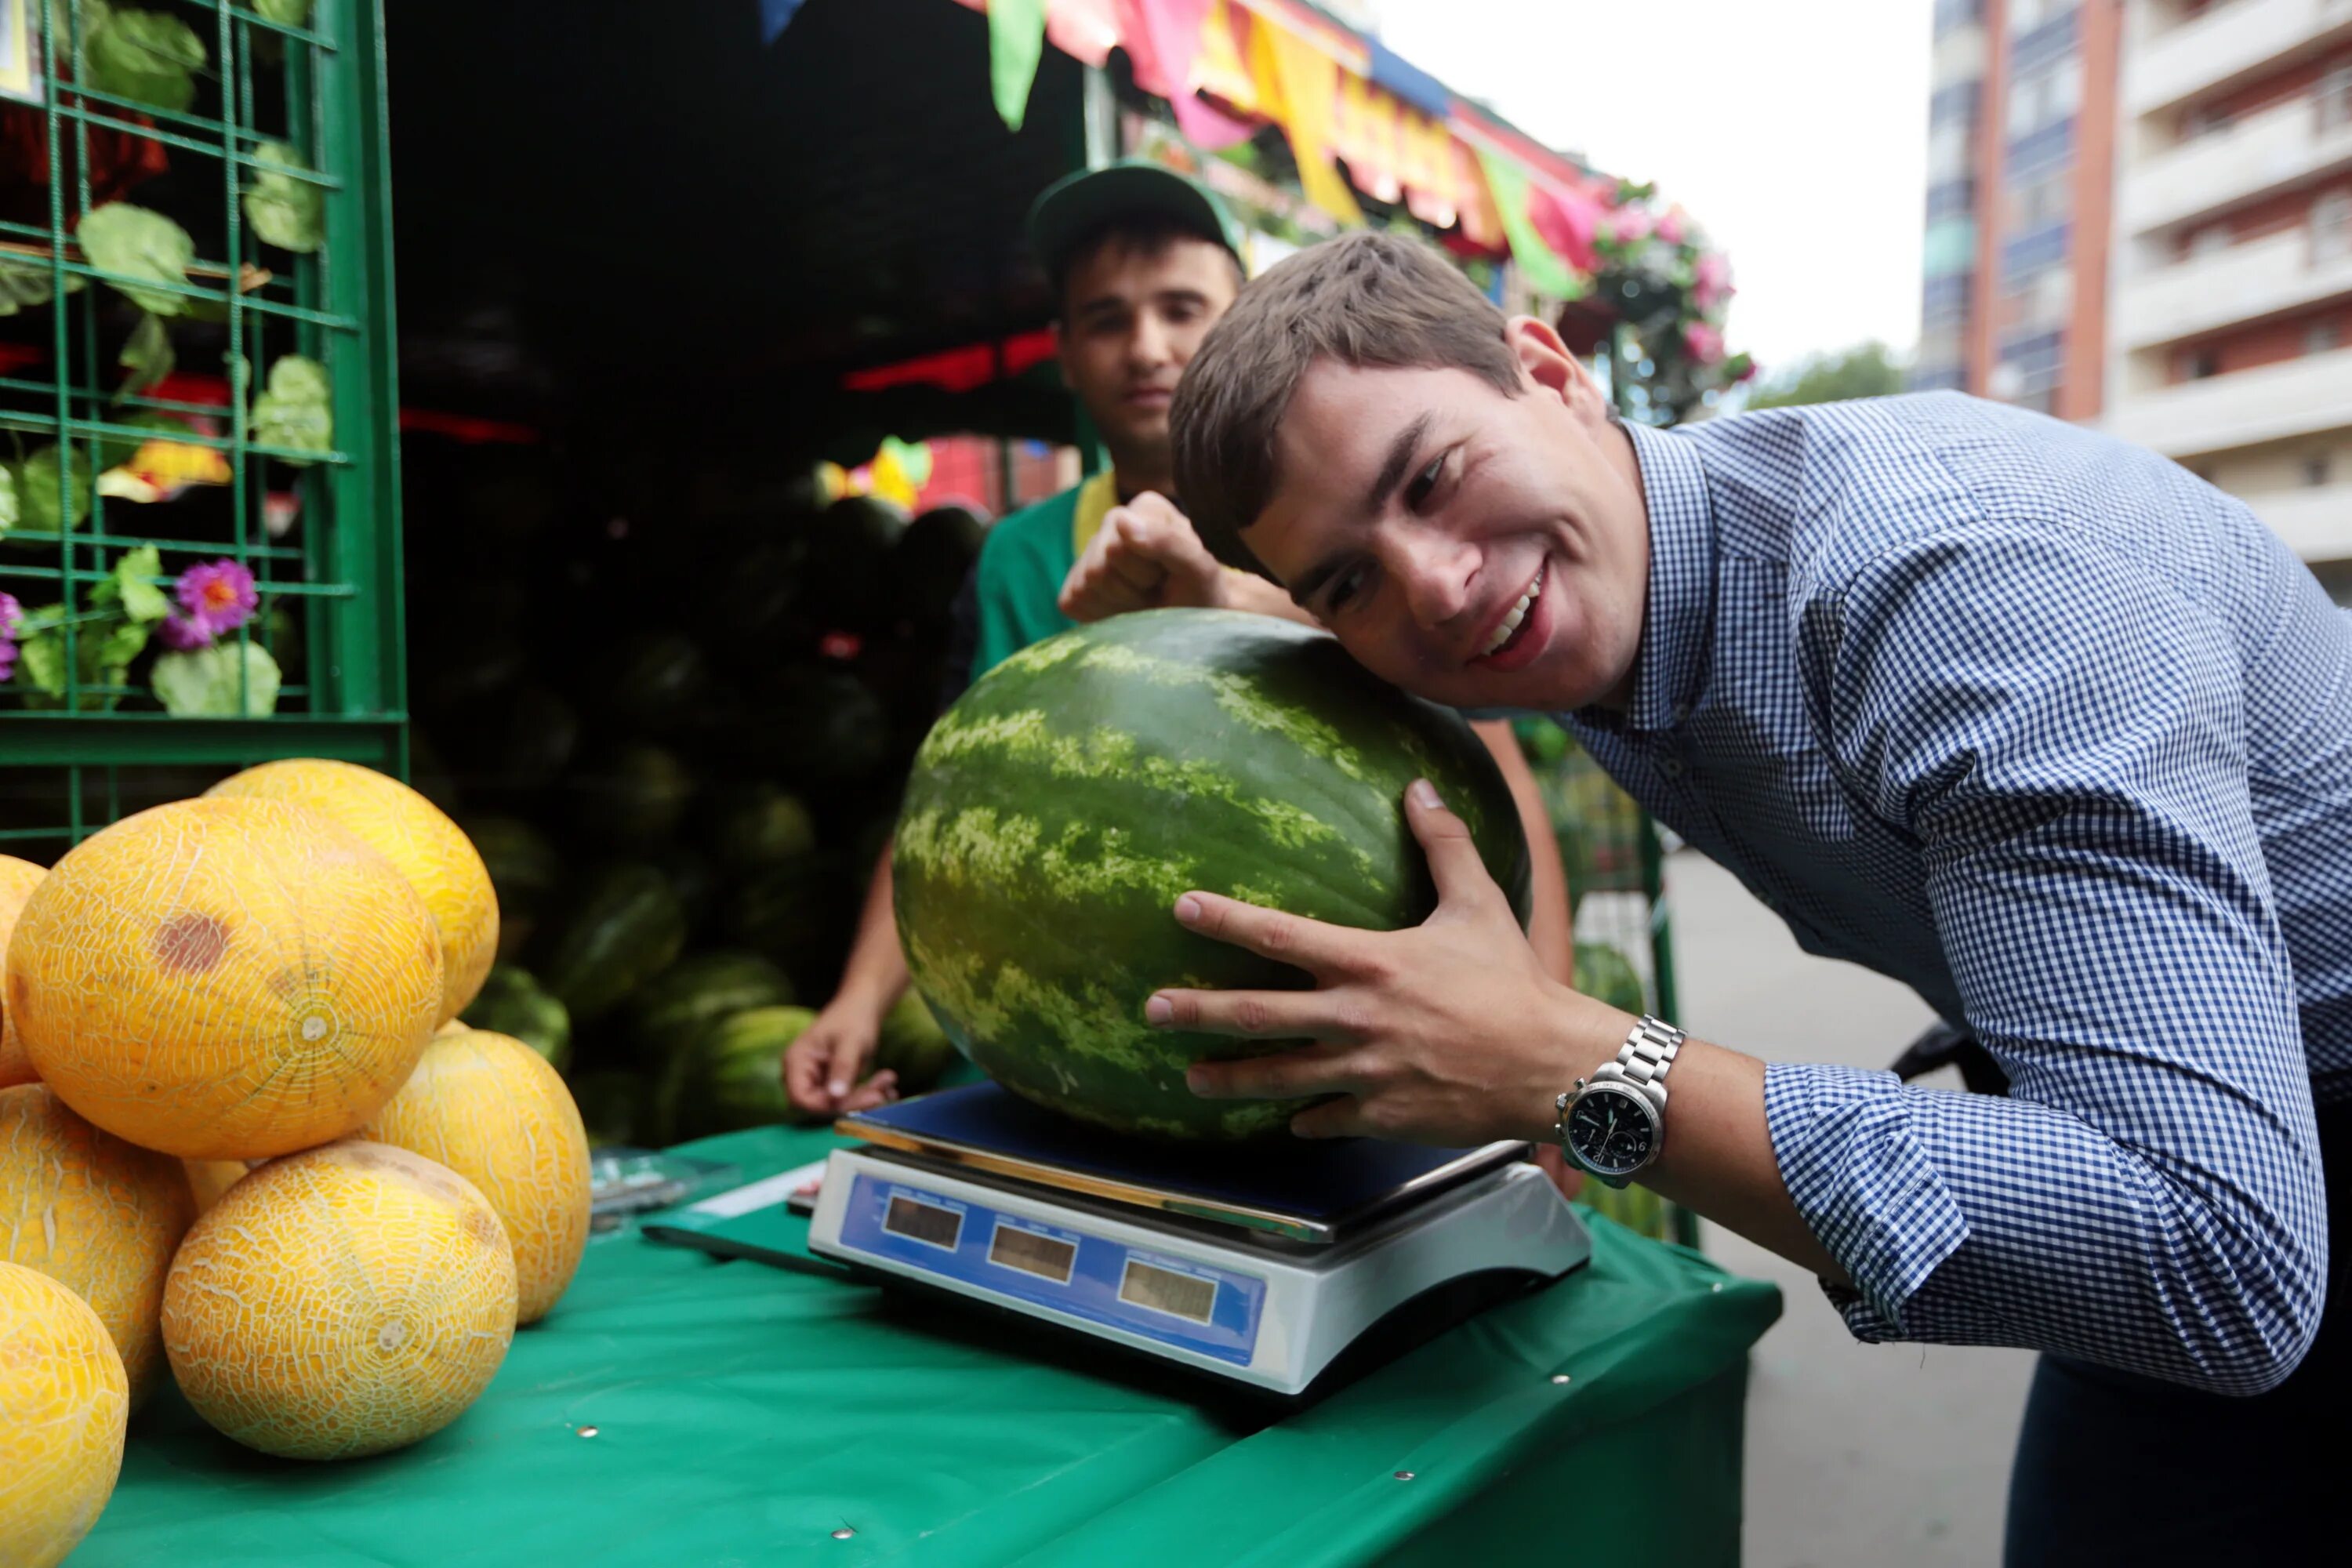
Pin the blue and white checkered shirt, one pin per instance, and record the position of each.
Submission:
(2060, 736)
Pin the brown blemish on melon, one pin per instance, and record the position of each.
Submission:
(191, 943)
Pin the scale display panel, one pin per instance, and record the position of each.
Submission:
(1209, 1310)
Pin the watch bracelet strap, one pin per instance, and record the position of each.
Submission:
(1650, 1050)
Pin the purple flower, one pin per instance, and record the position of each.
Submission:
(184, 634)
(12, 615)
(218, 598)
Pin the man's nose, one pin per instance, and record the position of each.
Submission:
(1436, 571)
(1148, 344)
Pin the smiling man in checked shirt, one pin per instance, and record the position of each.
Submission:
(2028, 719)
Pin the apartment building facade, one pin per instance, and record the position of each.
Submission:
(2231, 341)
(2021, 150)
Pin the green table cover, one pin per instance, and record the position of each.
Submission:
(743, 1415)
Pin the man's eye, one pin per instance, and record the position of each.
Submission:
(1424, 482)
(1344, 587)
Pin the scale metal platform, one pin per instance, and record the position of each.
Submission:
(1258, 1263)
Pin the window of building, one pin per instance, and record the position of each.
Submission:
(2331, 227)
(2334, 97)
(2322, 336)
(2213, 237)
(2205, 120)
(2314, 469)
(2197, 364)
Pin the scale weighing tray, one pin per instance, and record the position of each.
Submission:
(1260, 1263)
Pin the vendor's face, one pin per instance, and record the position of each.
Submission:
(1132, 316)
(1415, 510)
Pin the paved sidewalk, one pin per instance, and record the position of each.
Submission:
(1868, 1456)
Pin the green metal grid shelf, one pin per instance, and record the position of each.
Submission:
(317, 527)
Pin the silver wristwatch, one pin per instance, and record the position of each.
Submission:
(1614, 1122)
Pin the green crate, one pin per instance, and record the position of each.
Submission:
(330, 582)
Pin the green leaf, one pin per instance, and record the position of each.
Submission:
(94, 15)
(285, 12)
(146, 55)
(41, 663)
(24, 285)
(108, 655)
(121, 238)
(132, 586)
(283, 211)
(295, 411)
(39, 496)
(8, 511)
(204, 683)
(147, 355)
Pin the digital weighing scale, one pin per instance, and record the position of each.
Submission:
(1259, 1263)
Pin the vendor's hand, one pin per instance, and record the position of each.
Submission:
(822, 1068)
(1448, 1033)
(1145, 556)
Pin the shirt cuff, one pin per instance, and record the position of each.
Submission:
(1857, 1172)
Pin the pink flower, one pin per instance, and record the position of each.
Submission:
(1712, 280)
(1628, 224)
(1704, 343)
(12, 615)
(1566, 220)
(1674, 227)
(184, 634)
(218, 598)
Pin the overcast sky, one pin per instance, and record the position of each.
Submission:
(1794, 130)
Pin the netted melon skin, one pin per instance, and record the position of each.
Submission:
(100, 1215)
(17, 880)
(492, 1109)
(417, 837)
(65, 1403)
(345, 1301)
(224, 979)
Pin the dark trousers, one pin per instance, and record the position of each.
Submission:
(2123, 1469)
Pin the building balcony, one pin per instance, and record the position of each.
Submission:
(2273, 151)
(2229, 43)
(2244, 408)
(2316, 523)
(2247, 282)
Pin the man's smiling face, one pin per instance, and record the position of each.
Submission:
(1476, 549)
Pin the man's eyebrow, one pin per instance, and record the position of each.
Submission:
(1099, 303)
(1401, 454)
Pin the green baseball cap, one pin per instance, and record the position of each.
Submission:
(1076, 204)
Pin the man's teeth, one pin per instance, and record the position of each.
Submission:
(1510, 622)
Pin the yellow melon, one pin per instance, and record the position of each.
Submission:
(342, 1301)
(17, 880)
(417, 835)
(99, 1215)
(224, 979)
(492, 1109)
(64, 1405)
(208, 1179)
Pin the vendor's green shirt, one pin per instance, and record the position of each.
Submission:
(1018, 580)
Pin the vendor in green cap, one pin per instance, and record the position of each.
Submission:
(1143, 262)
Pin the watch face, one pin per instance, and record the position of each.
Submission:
(1611, 1130)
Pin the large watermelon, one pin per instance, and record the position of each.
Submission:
(1058, 810)
(632, 799)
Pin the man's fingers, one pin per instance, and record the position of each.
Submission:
(1253, 1014)
(1289, 1074)
(804, 1078)
(879, 1089)
(1339, 1117)
(1463, 880)
(1287, 939)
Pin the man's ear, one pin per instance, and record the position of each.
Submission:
(1546, 366)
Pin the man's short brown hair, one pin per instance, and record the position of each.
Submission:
(1368, 301)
